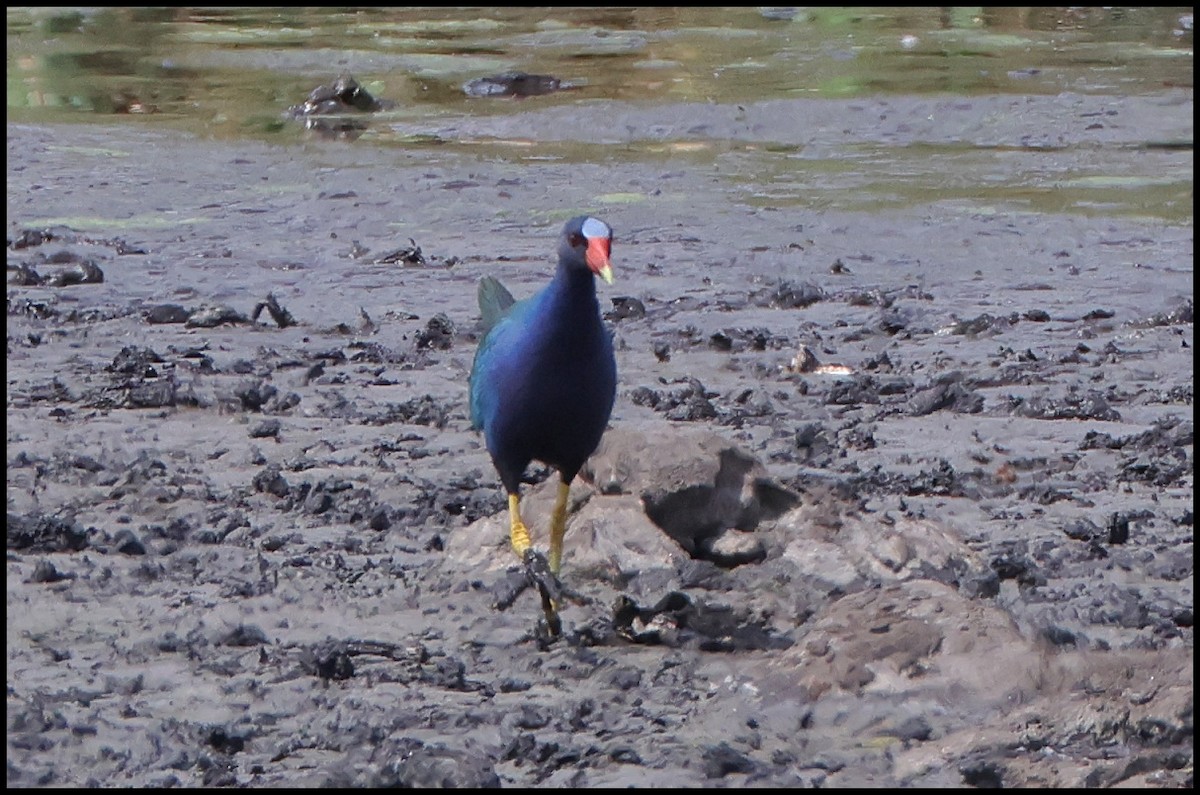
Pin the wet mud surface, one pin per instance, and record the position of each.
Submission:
(901, 498)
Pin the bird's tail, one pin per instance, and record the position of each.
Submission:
(494, 301)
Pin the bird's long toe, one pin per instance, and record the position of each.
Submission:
(549, 589)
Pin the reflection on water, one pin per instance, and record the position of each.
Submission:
(231, 73)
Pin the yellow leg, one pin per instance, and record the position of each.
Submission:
(558, 526)
(517, 532)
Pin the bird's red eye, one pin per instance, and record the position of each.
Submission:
(577, 240)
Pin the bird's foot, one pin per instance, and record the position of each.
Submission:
(537, 571)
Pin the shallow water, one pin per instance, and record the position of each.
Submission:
(845, 108)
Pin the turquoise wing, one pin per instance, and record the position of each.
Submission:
(494, 301)
(497, 308)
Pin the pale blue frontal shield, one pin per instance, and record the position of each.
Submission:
(593, 229)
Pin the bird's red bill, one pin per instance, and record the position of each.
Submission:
(598, 251)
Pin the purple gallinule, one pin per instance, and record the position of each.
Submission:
(544, 377)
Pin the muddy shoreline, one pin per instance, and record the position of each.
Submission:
(890, 498)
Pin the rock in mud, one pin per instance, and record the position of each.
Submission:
(513, 84)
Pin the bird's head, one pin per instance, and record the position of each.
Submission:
(587, 242)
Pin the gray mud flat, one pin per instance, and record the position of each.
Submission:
(898, 498)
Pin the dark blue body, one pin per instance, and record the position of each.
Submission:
(544, 379)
